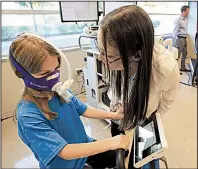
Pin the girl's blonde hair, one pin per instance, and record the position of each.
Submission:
(30, 52)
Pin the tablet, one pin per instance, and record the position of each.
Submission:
(149, 141)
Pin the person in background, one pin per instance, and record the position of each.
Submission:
(180, 34)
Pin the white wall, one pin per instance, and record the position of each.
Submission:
(12, 86)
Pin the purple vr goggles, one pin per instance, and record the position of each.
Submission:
(44, 84)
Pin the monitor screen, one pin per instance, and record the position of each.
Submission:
(78, 11)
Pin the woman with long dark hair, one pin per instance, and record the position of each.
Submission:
(144, 75)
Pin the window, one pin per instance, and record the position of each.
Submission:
(100, 6)
(41, 18)
(110, 6)
(163, 14)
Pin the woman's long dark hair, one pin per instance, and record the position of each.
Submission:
(130, 29)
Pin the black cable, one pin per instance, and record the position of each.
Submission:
(77, 25)
(184, 83)
(79, 93)
(6, 118)
(187, 84)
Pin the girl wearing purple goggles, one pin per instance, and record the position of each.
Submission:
(50, 126)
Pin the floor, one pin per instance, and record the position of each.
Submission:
(180, 126)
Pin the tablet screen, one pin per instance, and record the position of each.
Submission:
(148, 134)
(147, 138)
(147, 141)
